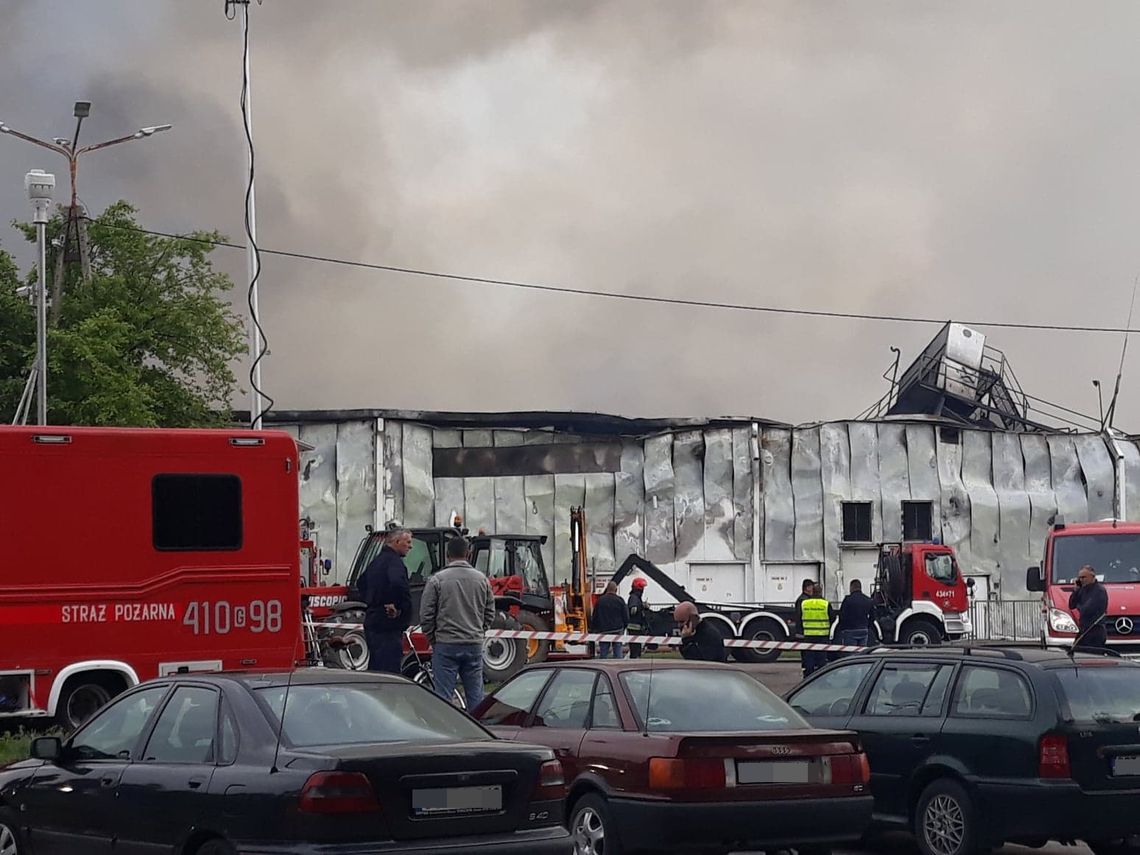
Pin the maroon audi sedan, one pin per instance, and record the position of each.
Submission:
(684, 756)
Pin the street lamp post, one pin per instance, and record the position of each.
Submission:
(72, 151)
(41, 187)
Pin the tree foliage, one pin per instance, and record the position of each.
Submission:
(149, 341)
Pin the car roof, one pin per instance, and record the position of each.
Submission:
(647, 664)
(282, 677)
(1006, 651)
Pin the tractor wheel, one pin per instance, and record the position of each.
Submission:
(503, 657)
(536, 650)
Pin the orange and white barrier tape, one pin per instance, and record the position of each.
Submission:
(623, 638)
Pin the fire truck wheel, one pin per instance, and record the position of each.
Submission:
(503, 657)
(84, 695)
(761, 629)
(11, 842)
(919, 632)
(536, 651)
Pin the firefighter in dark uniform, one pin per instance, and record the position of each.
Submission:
(638, 619)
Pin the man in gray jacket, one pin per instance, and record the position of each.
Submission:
(457, 608)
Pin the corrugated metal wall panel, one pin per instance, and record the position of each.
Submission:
(835, 469)
(419, 487)
(319, 488)
(355, 487)
(629, 502)
(865, 481)
(717, 485)
(600, 519)
(1014, 511)
(977, 478)
(894, 477)
(1100, 479)
(779, 508)
(955, 500)
(807, 494)
(689, 495)
(660, 543)
(1068, 480)
(743, 484)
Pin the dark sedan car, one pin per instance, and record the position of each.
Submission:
(684, 756)
(204, 765)
(971, 747)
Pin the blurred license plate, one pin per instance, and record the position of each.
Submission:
(456, 800)
(1129, 765)
(779, 772)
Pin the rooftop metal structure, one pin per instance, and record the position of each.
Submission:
(959, 378)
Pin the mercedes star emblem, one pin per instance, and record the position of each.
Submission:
(1124, 626)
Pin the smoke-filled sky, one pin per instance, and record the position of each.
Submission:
(973, 160)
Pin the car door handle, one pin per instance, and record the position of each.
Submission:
(108, 782)
(196, 783)
(920, 738)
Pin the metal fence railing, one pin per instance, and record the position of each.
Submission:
(1006, 620)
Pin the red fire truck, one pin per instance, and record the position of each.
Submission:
(136, 553)
(920, 593)
(1112, 548)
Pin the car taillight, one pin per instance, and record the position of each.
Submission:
(338, 792)
(667, 773)
(1053, 758)
(846, 769)
(551, 785)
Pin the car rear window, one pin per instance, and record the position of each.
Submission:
(706, 701)
(359, 714)
(1101, 692)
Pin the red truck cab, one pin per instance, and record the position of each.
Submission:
(922, 596)
(138, 553)
(1112, 548)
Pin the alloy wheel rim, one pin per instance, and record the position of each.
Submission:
(7, 841)
(589, 834)
(944, 825)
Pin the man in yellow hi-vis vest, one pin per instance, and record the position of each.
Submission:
(815, 626)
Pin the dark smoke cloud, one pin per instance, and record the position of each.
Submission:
(968, 160)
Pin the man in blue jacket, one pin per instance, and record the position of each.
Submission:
(384, 588)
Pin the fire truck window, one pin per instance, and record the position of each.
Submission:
(186, 729)
(940, 568)
(918, 523)
(857, 522)
(115, 731)
(197, 512)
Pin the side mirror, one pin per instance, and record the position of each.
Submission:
(1034, 579)
(327, 565)
(48, 748)
(970, 583)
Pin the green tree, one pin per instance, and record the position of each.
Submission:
(149, 341)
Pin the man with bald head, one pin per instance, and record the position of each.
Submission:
(1090, 602)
